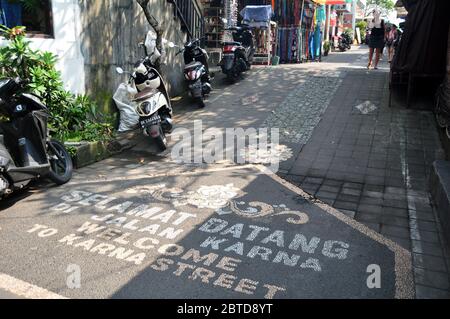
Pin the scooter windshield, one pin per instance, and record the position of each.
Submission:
(8, 87)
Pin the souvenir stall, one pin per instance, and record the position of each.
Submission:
(259, 18)
(266, 44)
(213, 11)
(300, 28)
(300, 25)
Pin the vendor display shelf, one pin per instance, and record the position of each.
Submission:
(262, 59)
(214, 30)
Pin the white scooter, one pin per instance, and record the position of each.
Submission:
(149, 97)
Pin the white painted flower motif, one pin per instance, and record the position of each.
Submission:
(273, 153)
(214, 197)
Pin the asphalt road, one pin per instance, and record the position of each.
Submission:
(143, 226)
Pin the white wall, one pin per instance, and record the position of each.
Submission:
(66, 44)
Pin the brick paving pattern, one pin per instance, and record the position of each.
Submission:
(300, 113)
(374, 167)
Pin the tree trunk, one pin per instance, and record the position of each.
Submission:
(154, 24)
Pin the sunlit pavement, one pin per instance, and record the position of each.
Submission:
(143, 226)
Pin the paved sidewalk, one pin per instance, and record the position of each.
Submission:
(374, 166)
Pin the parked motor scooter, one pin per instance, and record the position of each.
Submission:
(151, 99)
(196, 70)
(26, 150)
(238, 54)
(345, 42)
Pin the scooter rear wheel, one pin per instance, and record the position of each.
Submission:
(232, 77)
(61, 166)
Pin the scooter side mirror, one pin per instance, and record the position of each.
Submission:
(119, 70)
(171, 45)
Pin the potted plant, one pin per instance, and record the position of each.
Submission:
(326, 48)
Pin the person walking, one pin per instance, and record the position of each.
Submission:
(391, 39)
(376, 41)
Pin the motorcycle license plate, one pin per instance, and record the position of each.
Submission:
(150, 121)
(196, 85)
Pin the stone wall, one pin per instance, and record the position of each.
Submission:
(111, 31)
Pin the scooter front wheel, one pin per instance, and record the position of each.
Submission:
(61, 166)
(161, 140)
(201, 103)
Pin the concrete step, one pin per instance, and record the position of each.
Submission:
(440, 191)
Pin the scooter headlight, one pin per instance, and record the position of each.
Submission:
(144, 109)
(147, 106)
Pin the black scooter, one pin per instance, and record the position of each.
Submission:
(345, 42)
(26, 150)
(196, 71)
(238, 55)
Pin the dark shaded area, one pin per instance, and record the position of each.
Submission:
(419, 64)
(424, 42)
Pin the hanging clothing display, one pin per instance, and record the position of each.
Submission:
(321, 14)
(317, 42)
(287, 13)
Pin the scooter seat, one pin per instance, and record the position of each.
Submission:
(193, 65)
(232, 43)
(144, 95)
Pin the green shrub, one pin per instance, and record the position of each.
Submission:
(73, 118)
(349, 32)
(362, 25)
